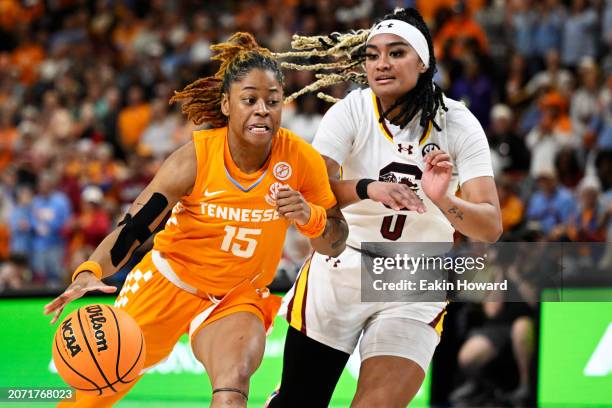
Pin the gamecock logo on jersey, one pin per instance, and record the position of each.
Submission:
(282, 171)
(401, 173)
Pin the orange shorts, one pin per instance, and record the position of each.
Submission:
(165, 312)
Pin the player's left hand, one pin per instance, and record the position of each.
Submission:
(291, 205)
(437, 174)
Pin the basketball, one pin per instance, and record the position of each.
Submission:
(98, 349)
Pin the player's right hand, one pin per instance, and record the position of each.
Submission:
(83, 283)
(395, 195)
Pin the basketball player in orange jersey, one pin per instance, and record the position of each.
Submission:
(233, 192)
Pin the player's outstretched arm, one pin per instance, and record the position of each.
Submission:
(327, 229)
(175, 178)
(396, 196)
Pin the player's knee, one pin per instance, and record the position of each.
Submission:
(465, 358)
(476, 352)
(522, 329)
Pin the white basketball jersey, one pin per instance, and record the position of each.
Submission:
(352, 135)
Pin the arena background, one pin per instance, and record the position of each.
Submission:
(84, 118)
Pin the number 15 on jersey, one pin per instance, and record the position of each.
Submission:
(240, 241)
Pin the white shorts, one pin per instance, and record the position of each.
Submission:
(325, 304)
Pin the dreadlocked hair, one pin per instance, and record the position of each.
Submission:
(345, 50)
(239, 56)
(347, 54)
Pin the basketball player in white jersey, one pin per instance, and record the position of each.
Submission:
(404, 149)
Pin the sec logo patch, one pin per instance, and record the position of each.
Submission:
(430, 147)
(272, 191)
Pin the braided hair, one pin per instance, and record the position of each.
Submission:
(239, 56)
(347, 53)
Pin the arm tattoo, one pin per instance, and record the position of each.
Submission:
(456, 212)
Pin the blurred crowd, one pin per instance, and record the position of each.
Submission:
(85, 120)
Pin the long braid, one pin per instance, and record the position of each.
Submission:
(239, 55)
(346, 51)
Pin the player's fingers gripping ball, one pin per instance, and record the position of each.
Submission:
(99, 349)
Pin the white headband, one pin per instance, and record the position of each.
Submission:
(408, 32)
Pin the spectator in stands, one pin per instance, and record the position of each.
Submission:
(105, 171)
(514, 88)
(492, 19)
(21, 222)
(606, 38)
(551, 205)
(156, 138)
(505, 327)
(126, 30)
(89, 227)
(199, 52)
(569, 167)
(585, 104)
(6, 207)
(108, 114)
(51, 210)
(28, 54)
(553, 131)
(523, 19)
(603, 165)
(458, 33)
(508, 151)
(550, 17)
(579, 34)
(134, 118)
(554, 77)
(475, 89)
(14, 274)
(139, 173)
(512, 207)
(599, 133)
(587, 224)
(8, 137)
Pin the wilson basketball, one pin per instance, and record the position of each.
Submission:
(98, 349)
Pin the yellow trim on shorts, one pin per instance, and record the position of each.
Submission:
(298, 300)
(440, 323)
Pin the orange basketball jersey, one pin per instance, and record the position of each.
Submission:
(227, 230)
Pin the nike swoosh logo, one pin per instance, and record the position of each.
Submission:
(212, 193)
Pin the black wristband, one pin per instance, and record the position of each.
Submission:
(362, 188)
